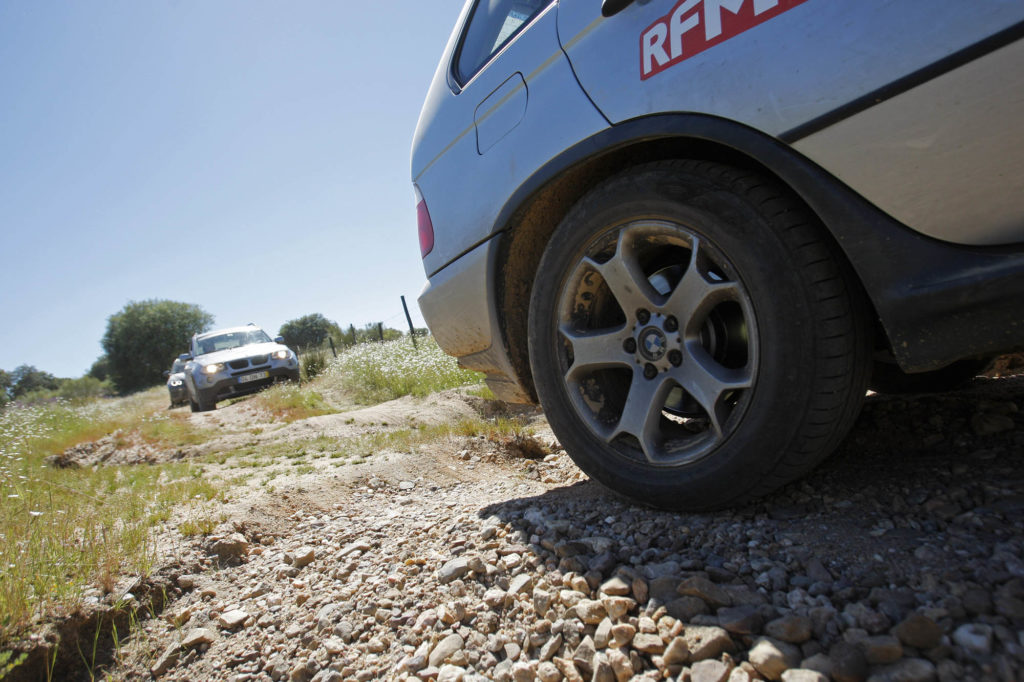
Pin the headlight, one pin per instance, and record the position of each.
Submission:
(213, 369)
(176, 382)
(282, 354)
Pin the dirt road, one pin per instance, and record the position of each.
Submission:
(350, 552)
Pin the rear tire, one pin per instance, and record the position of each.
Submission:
(696, 338)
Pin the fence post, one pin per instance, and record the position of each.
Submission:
(380, 331)
(412, 330)
(331, 341)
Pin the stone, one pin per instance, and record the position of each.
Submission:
(803, 675)
(603, 634)
(548, 672)
(648, 643)
(303, 556)
(848, 663)
(705, 590)
(550, 648)
(187, 582)
(603, 671)
(197, 637)
(741, 620)
(233, 546)
(881, 649)
(615, 587)
(360, 545)
(450, 673)
(232, 619)
(676, 652)
(906, 670)
(819, 663)
(521, 584)
(494, 597)
(622, 635)
(919, 631)
(542, 600)
(591, 611)
(454, 569)
(772, 657)
(686, 608)
(974, 637)
(568, 669)
(790, 628)
(167, 660)
(706, 641)
(618, 607)
(709, 671)
(583, 657)
(445, 649)
(621, 665)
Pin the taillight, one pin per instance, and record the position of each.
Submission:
(426, 228)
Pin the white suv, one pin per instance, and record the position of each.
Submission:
(233, 362)
(696, 230)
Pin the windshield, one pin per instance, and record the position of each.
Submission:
(227, 340)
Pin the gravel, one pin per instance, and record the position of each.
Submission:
(900, 558)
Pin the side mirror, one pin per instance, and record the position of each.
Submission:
(184, 357)
(279, 339)
(167, 373)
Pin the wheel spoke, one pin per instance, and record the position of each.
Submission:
(641, 415)
(593, 351)
(706, 381)
(626, 280)
(694, 295)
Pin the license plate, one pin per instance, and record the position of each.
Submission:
(253, 377)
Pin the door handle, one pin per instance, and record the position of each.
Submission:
(610, 7)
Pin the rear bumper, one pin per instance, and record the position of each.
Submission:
(458, 304)
(231, 387)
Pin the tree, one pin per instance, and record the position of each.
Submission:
(308, 331)
(144, 338)
(6, 382)
(100, 369)
(26, 379)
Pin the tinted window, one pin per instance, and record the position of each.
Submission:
(493, 23)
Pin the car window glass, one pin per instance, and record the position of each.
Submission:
(493, 23)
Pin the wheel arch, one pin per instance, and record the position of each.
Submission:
(538, 206)
(935, 302)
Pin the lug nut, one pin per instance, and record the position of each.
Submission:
(671, 324)
(643, 316)
(650, 371)
(675, 357)
(629, 345)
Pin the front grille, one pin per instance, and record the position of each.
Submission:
(238, 364)
(258, 359)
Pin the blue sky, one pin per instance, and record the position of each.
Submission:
(250, 157)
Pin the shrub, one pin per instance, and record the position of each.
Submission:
(313, 363)
(375, 372)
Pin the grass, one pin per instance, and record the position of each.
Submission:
(291, 402)
(376, 372)
(63, 530)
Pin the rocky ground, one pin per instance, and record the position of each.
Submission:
(901, 558)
